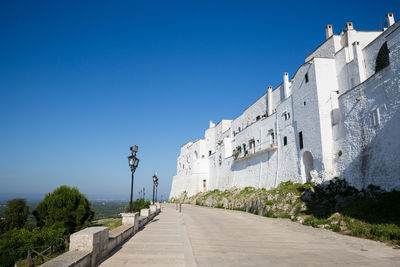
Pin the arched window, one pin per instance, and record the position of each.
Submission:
(382, 59)
(286, 115)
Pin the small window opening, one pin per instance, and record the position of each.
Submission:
(376, 118)
(286, 115)
(305, 103)
(306, 77)
(209, 152)
(258, 117)
(252, 145)
(285, 140)
(301, 140)
(271, 136)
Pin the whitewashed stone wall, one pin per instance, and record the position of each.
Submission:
(370, 150)
(331, 100)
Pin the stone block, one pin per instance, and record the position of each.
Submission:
(129, 218)
(93, 239)
(145, 212)
(153, 208)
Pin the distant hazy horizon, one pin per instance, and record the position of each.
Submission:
(91, 197)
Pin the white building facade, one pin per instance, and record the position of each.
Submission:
(338, 116)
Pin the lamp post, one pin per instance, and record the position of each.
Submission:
(156, 188)
(133, 163)
(155, 180)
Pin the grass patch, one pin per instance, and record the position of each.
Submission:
(112, 224)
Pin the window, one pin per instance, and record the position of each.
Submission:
(285, 140)
(239, 130)
(304, 103)
(375, 117)
(244, 147)
(252, 145)
(301, 140)
(382, 59)
(271, 136)
(258, 118)
(209, 152)
(306, 77)
(286, 115)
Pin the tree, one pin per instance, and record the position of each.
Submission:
(15, 243)
(138, 204)
(66, 208)
(16, 213)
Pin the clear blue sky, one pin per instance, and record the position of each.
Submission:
(82, 81)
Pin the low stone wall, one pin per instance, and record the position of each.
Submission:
(91, 245)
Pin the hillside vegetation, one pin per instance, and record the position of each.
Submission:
(335, 205)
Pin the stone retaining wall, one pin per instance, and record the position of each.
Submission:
(91, 245)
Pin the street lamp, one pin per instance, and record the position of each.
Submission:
(155, 180)
(156, 188)
(133, 163)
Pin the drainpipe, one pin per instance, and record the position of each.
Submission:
(277, 144)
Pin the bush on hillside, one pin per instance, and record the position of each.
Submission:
(16, 213)
(138, 204)
(66, 208)
(15, 243)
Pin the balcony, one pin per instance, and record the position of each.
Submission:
(250, 154)
(271, 147)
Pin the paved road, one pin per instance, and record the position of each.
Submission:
(216, 237)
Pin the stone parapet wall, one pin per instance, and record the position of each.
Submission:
(92, 245)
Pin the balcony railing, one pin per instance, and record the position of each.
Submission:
(250, 153)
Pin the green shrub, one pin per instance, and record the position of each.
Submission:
(64, 208)
(14, 244)
(16, 213)
(138, 204)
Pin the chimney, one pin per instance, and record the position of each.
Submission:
(328, 31)
(349, 26)
(285, 85)
(389, 19)
(212, 125)
(359, 61)
(269, 100)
